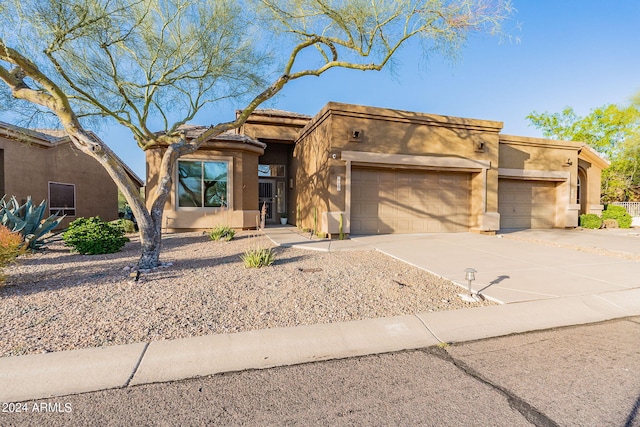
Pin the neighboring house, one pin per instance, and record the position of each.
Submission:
(45, 165)
(380, 171)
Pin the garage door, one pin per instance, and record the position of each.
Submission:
(526, 204)
(392, 201)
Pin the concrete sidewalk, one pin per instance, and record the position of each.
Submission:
(561, 287)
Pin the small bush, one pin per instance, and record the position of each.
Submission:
(126, 224)
(93, 236)
(619, 213)
(610, 223)
(255, 258)
(11, 246)
(590, 221)
(222, 232)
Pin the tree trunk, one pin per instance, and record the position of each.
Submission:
(150, 221)
(150, 241)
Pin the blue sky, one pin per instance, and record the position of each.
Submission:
(578, 53)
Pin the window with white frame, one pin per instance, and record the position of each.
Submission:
(203, 184)
(62, 199)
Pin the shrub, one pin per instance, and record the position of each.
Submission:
(590, 221)
(222, 232)
(259, 257)
(126, 224)
(619, 213)
(92, 236)
(610, 223)
(11, 246)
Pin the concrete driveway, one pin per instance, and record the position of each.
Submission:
(524, 265)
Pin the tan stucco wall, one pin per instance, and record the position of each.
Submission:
(311, 168)
(592, 165)
(546, 160)
(394, 132)
(243, 161)
(29, 167)
(273, 127)
(325, 150)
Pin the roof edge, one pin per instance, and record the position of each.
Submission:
(389, 114)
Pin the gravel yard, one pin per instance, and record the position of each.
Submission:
(56, 300)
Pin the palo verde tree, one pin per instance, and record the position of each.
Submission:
(614, 132)
(152, 65)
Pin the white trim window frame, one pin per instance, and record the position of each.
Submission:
(213, 175)
(62, 204)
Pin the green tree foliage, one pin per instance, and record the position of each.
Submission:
(614, 132)
(152, 65)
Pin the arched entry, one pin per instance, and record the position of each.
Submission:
(581, 191)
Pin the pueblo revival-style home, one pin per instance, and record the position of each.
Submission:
(45, 165)
(367, 170)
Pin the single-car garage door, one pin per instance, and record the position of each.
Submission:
(526, 204)
(395, 201)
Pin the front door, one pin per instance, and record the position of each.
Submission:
(266, 197)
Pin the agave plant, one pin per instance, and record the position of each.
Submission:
(28, 220)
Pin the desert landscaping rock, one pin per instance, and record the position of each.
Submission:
(55, 300)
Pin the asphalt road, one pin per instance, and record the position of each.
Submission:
(577, 376)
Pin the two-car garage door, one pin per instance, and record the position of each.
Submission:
(402, 201)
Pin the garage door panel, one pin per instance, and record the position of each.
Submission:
(409, 201)
(369, 210)
(405, 193)
(387, 210)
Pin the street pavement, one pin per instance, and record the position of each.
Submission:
(574, 376)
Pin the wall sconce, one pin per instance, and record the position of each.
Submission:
(478, 146)
(568, 163)
(355, 135)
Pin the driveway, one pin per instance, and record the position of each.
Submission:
(524, 265)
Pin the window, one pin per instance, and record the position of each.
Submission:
(203, 184)
(62, 199)
(271, 170)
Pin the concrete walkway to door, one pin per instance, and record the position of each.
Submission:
(514, 267)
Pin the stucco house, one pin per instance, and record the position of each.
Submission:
(377, 171)
(45, 165)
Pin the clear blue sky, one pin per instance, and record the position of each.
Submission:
(578, 53)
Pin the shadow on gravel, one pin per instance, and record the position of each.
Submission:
(87, 270)
(633, 415)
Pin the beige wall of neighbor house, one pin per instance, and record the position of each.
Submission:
(31, 160)
(238, 206)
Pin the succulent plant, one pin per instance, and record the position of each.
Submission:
(27, 219)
